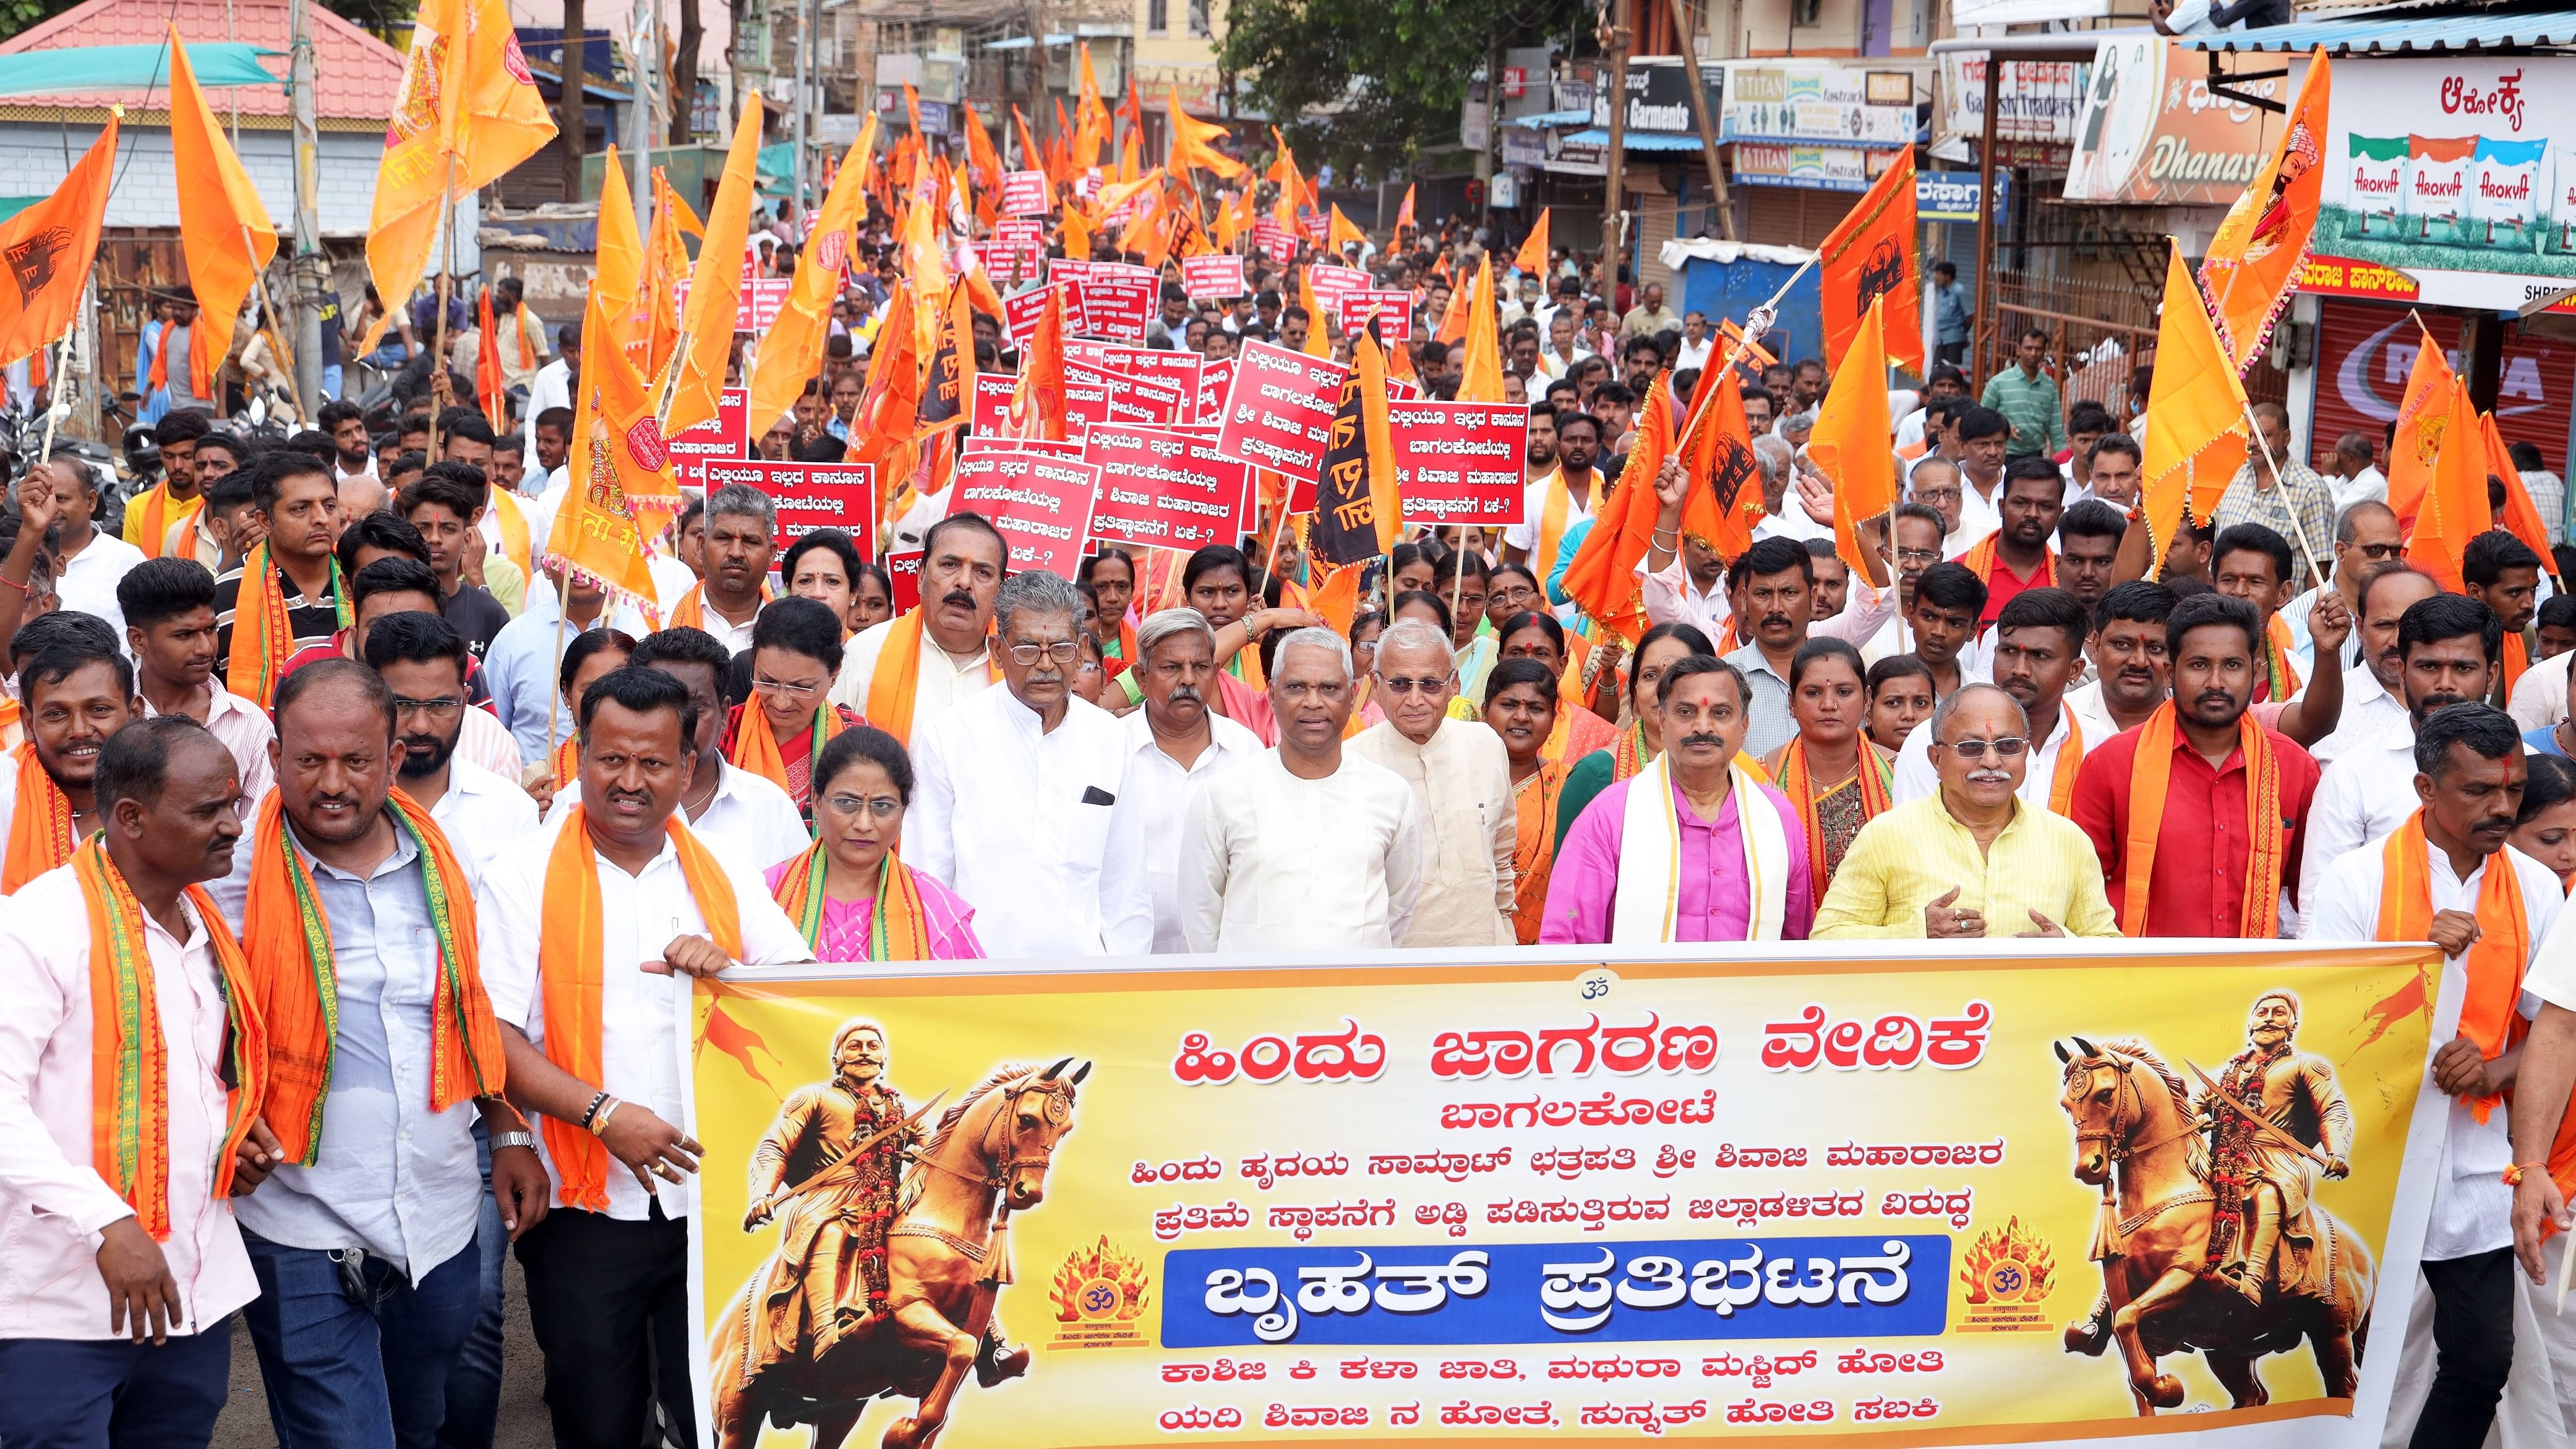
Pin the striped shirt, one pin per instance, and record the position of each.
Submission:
(312, 621)
(2300, 508)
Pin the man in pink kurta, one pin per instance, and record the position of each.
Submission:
(1715, 897)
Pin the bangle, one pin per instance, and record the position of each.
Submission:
(591, 1113)
(13, 583)
(599, 1128)
(2513, 1175)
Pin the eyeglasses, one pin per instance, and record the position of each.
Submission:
(783, 689)
(2381, 552)
(1512, 594)
(1921, 557)
(1936, 496)
(1062, 651)
(2008, 747)
(1412, 686)
(882, 807)
(440, 709)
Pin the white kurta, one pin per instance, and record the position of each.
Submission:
(1462, 780)
(1160, 790)
(2361, 797)
(482, 816)
(1272, 862)
(945, 680)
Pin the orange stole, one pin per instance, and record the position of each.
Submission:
(1877, 796)
(2517, 658)
(1985, 558)
(1534, 802)
(157, 516)
(2070, 762)
(2280, 678)
(755, 745)
(2151, 776)
(898, 674)
(691, 611)
(40, 830)
(569, 966)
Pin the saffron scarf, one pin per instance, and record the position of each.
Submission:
(130, 1060)
(1552, 517)
(755, 746)
(513, 523)
(40, 830)
(1877, 796)
(1630, 755)
(1985, 558)
(2280, 677)
(1125, 658)
(1534, 803)
(568, 964)
(691, 611)
(567, 761)
(898, 674)
(288, 938)
(2070, 762)
(898, 923)
(2517, 658)
(1650, 857)
(2495, 961)
(148, 527)
(2151, 776)
(263, 635)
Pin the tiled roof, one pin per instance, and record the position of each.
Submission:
(356, 75)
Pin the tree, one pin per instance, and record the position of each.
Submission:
(684, 74)
(1374, 81)
(572, 113)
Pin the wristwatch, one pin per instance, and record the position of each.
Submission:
(521, 1138)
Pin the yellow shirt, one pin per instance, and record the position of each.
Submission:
(1914, 854)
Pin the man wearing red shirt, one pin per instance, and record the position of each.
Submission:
(2198, 866)
(2016, 555)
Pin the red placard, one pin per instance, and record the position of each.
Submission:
(903, 571)
(1021, 310)
(1459, 462)
(1392, 311)
(1279, 411)
(1274, 239)
(1214, 379)
(1009, 263)
(1171, 366)
(1313, 227)
(1117, 306)
(755, 307)
(809, 496)
(1048, 446)
(1020, 229)
(1332, 283)
(1040, 504)
(726, 435)
(1402, 389)
(1024, 193)
(1093, 396)
(1217, 276)
(1163, 488)
(991, 404)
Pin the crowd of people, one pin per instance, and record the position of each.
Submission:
(333, 806)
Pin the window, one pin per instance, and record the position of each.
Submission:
(1158, 16)
(1199, 18)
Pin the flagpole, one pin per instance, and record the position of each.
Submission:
(2316, 570)
(268, 309)
(446, 281)
(54, 391)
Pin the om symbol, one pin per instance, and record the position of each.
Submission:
(2006, 1280)
(1099, 1298)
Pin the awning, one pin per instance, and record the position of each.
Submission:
(1634, 140)
(2393, 36)
(90, 68)
(1549, 120)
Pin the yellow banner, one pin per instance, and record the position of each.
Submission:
(1832, 1198)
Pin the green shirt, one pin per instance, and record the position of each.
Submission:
(1590, 776)
(2031, 406)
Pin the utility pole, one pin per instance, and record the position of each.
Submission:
(796, 114)
(572, 124)
(639, 120)
(311, 270)
(1614, 211)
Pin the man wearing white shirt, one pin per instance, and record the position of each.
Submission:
(422, 659)
(2450, 647)
(2039, 646)
(1574, 485)
(1980, 435)
(1020, 804)
(2366, 536)
(169, 608)
(90, 561)
(1310, 847)
(552, 387)
(2373, 697)
(521, 667)
(941, 648)
(88, 1289)
(2351, 476)
(608, 1266)
(1176, 744)
(2468, 771)
(2131, 672)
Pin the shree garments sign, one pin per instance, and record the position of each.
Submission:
(2460, 173)
(1659, 98)
(2151, 131)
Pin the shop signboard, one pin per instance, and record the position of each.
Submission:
(1659, 98)
(1816, 102)
(1952, 196)
(2151, 131)
(1819, 168)
(2036, 102)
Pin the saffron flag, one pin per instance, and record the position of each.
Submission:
(1358, 513)
(1194, 141)
(1037, 400)
(599, 532)
(666, 264)
(1480, 378)
(224, 230)
(951, 372)
(984, 162)
(2423, 417)
(618, 271)
(715, 286)
(1532, 260)
(466, 112)
(1717, 447)
(1339, 232)
(2196, 428)
(1849, 446)
(792, 350)
(1091, 118)
(1319, 343)
(2455, 506)
(1032, 155)
(49, 248)
(488, 384)
(1871, 255)
(1462, 301)
(1602, 580)
(1404, 213)
(2254, 260)
(2521, 516)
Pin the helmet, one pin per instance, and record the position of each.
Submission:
(142, 449)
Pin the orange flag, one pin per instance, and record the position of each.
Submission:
(1725, 499)
(1404, 213)
(1480, 380)
(681, 216)
(49, 247)
(666, 265)
(599, 532)
(1532, 260)
(1032, 155)
(1869, 255)
(1091, 118)
(2423, 417)
(792, 350)
(2254, 260)
(1194, 140)
(1340, 231)
(985, 162)
(1037, 401)
(488, 384)
(224, 230)
(1850, 443)
(2196, 429)
(1319, 343)
(1602, 579)
(1076, 226)
(1462, 302)
(715, 285)
(466, 113)
(2455, 507)
(2521, 515)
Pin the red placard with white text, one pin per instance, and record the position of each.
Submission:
(756, 306)
(1024, 193)
(1070, 448)
(1274, 239)
(903, 571)
(1009, 263)
(1021, 310)
(1163, 488)
(1171, 366)
(1332, 284)
(726, 435)
(1117, 306)
(1459, 462)
(1040, 504)
(810, 496)
(1093, 396)
(1279, 410)
(1392, 311)
(1214, 379)
(1217, 276)
(991, 404)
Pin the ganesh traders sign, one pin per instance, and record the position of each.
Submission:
(2459, 172)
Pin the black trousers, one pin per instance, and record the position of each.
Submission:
(609, 1301)
(2473, 1331)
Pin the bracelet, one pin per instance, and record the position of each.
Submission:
(600, 1127)
(521, 1138)
(591, 1114)
(2513, 1175)
(13, 583)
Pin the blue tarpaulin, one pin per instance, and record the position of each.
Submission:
(80, 69)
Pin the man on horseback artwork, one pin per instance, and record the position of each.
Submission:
(832, 1164)
(2277, 1119)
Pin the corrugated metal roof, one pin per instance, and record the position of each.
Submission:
(356, 76)
(2410, 36)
